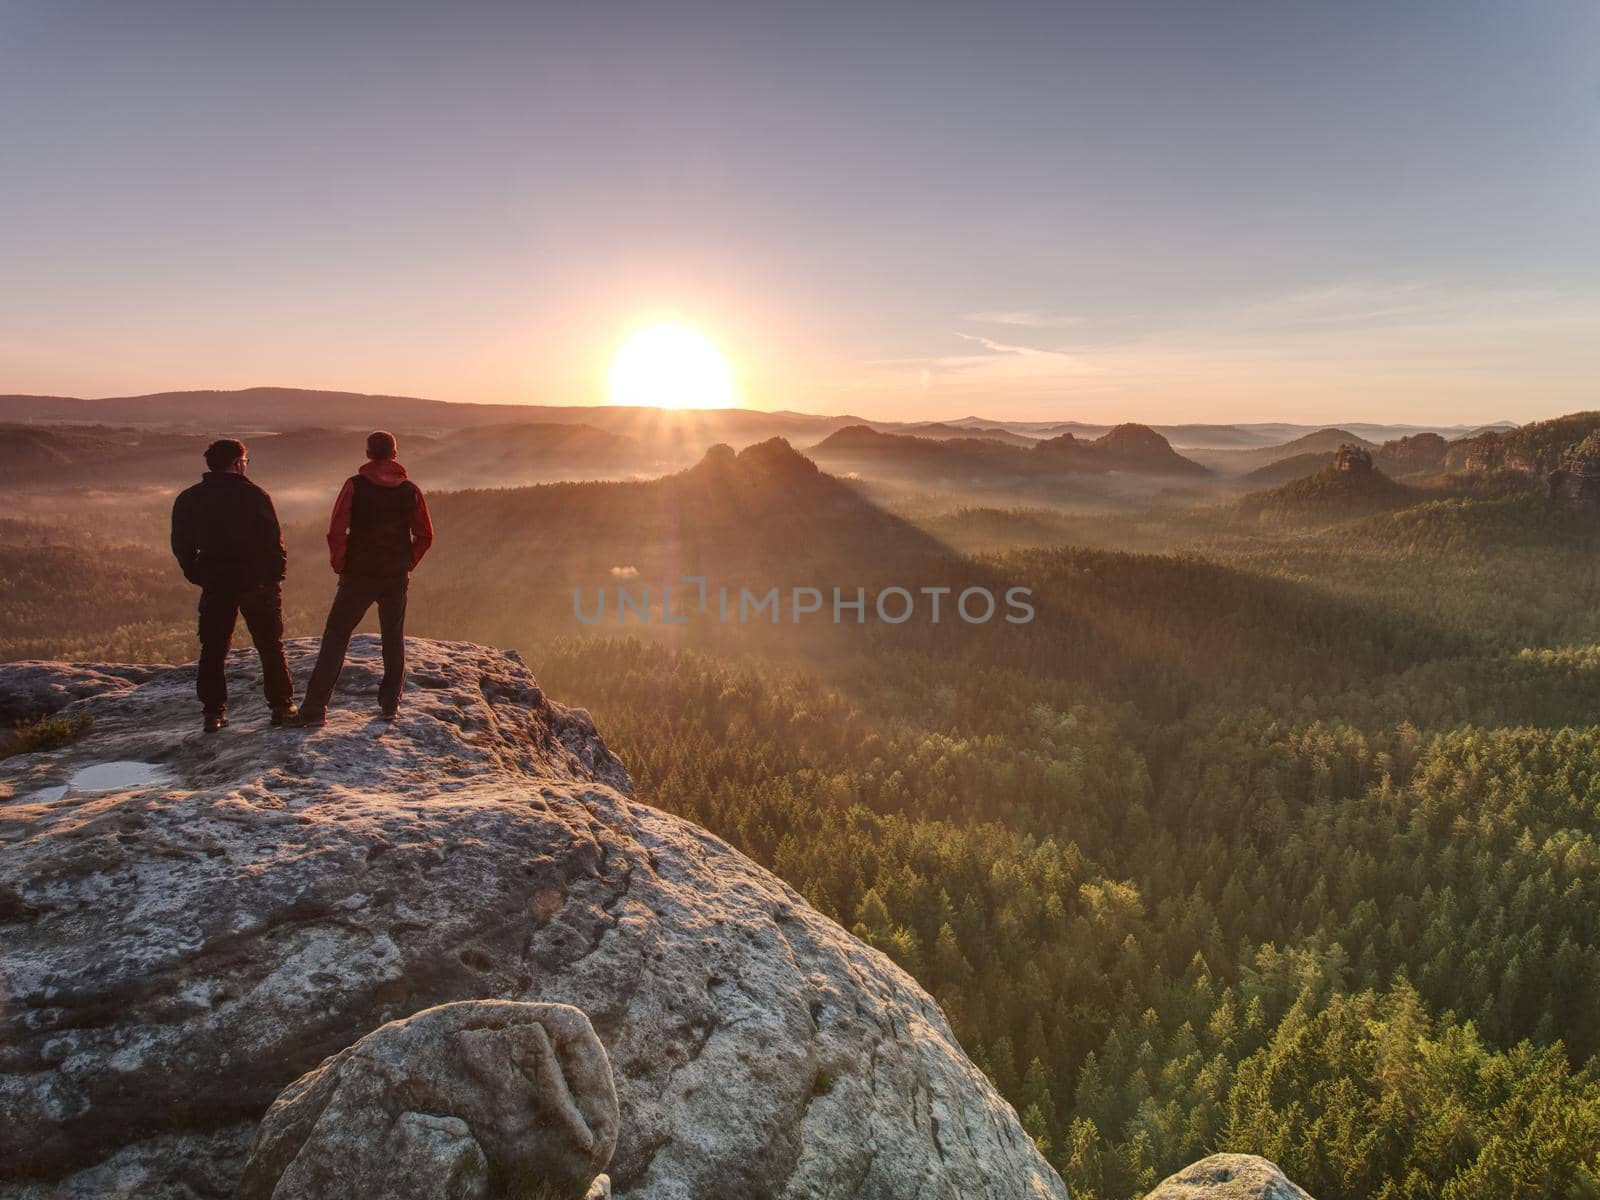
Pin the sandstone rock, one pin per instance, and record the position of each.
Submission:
(33, 689)
(176, 954)
(474, 1099)
(1228, 1177)
(1352, 459)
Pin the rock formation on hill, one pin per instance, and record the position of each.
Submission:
(1414, 453)
(190, 924)
(1352, 459)
(1535, 448)
(1348, 487)
(1575, 483)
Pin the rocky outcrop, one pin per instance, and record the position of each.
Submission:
(465, 1101)
(38, 688)
(201, 921)
(1413, 453)
(1575, 483)
(1228, 1177)
(1536, 448)
(1352, 459)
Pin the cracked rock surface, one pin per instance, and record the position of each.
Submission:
(175, 953)
(1228, 1177)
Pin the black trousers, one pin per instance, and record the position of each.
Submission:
(356, 594)
(262, 608)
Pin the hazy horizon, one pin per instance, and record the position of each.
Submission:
(1167, 213)
(932, 418)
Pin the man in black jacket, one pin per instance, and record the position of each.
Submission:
(379, 532)
(226, 539)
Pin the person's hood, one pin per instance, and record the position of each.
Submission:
(385, 472)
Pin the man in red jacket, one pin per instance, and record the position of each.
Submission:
(379, 533)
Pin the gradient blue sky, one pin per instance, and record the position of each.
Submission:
(1196, 210)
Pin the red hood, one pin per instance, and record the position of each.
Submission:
(386, 472)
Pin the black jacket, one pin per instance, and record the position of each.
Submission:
(225, 534)
(380, 527)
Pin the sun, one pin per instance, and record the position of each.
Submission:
(670, 366)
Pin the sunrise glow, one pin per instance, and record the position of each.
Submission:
(671, 366)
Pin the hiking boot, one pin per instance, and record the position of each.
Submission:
(284, 714)
(389, 712)
(215, 721)
(309, 719)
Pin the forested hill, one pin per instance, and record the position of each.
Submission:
(1536, 447)
(1329, 495)
(1130, 449)
(1133, 448)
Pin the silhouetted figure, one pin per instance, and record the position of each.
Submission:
(225, 537)
(379, 533)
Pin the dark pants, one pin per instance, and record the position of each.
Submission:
(356, 594)
(262, 608)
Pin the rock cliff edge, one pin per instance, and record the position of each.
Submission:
(188, 924)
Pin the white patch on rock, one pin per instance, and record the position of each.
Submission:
(121, 776)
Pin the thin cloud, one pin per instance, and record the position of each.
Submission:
(1025, 319)
(1010, 360)
(1346, 348)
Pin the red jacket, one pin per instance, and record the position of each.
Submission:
(384, 472)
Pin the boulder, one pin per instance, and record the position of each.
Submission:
(1228, 1177)
(181, 946)
(464, 1101)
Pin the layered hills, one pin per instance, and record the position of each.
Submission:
(1127, 449)
(98, 456)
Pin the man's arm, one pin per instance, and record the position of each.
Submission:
(185, 546)
(421, 530)
(273, 552)
(339, 526)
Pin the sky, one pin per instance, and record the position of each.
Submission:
(1202, 210)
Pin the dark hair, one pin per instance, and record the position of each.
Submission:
(222, 454)
(381, 444)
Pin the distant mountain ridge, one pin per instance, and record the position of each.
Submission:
(992, 433)
(273, 409)
(259, 409)
(485, 456)
(1135, 449)
(1320, 441)
(1128, 447)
